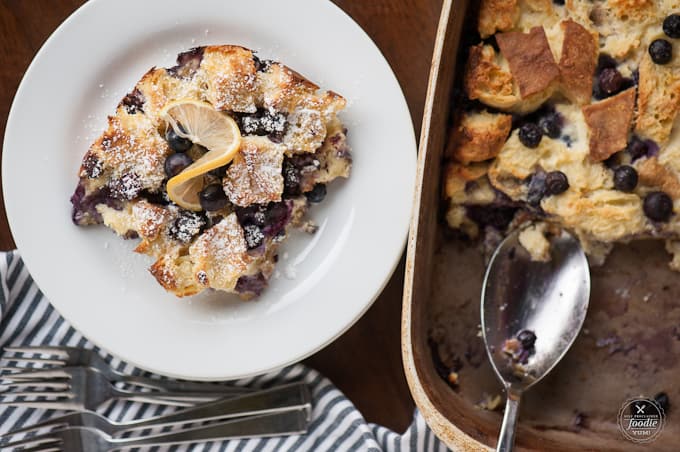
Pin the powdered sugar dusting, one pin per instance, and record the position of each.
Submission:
(149, 218)
(187, 226)
(221, 254)
(255, 174)
(231, 78)
(306, 130)
(133, 145)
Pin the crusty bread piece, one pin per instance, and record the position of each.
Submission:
(578, 61)
(497, 15)
(658, 100)
(531, 61)
(654, 174)
(478, 136)
(610, 122)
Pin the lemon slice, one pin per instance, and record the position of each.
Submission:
(214, 130)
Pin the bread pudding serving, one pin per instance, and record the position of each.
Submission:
(568, 117)
(210, 163)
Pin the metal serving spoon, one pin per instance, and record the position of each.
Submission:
(544, 301)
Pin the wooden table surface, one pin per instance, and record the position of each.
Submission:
(365, 362)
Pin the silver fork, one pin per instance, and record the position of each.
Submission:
(281, 398)
(72, 356)
(54, 379)
(79, 439)
(87, 389)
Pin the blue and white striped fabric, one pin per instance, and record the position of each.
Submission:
(26, 318)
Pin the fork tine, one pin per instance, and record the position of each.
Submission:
(23, 359)
(23, 384)
(44, 350)
(40, 440)
(46, 448)
(41, 405)
(30, 374)
(59, 394)
(55, 423)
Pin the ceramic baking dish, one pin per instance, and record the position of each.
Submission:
(629, 347)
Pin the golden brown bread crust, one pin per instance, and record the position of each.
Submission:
(531, 61)
(483, 75)
(497, 15)
(609, 121)
(479, 136)
(231, 76)
(658, 100)
(254, 176)
(174, 275)
(654, 174)
(220, 255)
(577, 63)
(456, 176)
(636, 9)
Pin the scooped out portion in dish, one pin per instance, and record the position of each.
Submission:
(568, 115)
(210, 163)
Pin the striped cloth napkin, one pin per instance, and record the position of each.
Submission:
(27, 318)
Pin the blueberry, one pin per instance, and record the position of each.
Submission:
(251, 284)
(671, 26)
(277, 216)
(662, 400)
(175, 164)
(159, 197)
(291, 179)
(253, 214)
(491, 215)
(637, 148)
(213, 197)
(661, 51)
(556, 182)
(317, 194)
(264, 122)
(658, 206)
(273, 121)
(126, 187)
(625, 178)
(176, 142)
(551, 124)
(253, 235)
(530, 135)
(605, 61)
(610, 81)
(92, 166)
(187, 225)
(537, 189)
(527, 338)
(559, 2)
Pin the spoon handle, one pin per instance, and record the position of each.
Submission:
(506, 439)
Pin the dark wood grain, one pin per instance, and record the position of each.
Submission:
(365, 362)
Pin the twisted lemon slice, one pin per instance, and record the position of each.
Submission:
(212, 129)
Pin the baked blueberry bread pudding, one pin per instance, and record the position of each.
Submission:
(210, 163)
(568, 116)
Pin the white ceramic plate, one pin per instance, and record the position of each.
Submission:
(325, 282)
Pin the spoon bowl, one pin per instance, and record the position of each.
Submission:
(548, 299)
